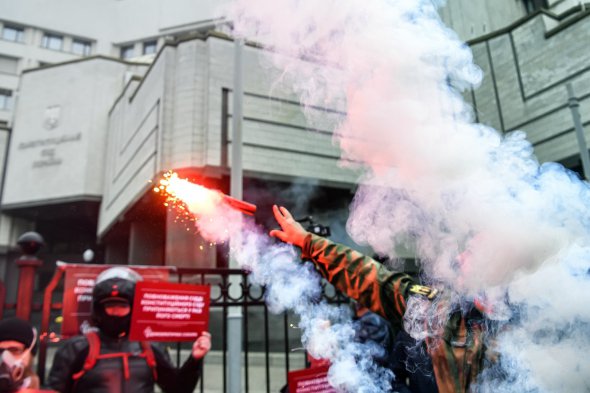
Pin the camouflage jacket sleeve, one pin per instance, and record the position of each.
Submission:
(362, 278)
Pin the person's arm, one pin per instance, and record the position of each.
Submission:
(173, 380)
(185, 379)
(358, 276)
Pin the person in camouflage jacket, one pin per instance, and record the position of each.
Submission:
(456, 351)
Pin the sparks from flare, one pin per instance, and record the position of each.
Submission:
(182, 194)
(188, 200)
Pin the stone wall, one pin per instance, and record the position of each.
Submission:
(526, 70)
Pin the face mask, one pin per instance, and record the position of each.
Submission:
(12, 369)
(115, 327)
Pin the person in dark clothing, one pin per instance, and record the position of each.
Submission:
(371, 328)
(411, 366)
(106, 361)
(455, 346)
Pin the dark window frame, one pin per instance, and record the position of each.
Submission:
(6, 99)
(19, 33)
(150, 44)
(127, 52)
(531, 6)
(85, 45)
(49, 39)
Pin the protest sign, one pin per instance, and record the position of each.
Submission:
(310, 380)
(78, 285)
(169, 312)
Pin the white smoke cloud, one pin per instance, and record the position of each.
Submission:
(327, 331)
(485, 218)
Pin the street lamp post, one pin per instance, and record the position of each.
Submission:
(235, 317)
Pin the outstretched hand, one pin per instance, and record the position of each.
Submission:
(291, 231)
(202, 345)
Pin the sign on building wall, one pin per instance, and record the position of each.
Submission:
(60, 127)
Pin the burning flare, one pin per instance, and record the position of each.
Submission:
(198, 199)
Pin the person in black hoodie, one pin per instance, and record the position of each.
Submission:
(106, 361)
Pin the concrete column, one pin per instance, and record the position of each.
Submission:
(146, 243)
(117, 252)
(185, 247)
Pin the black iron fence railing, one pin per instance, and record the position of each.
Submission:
(271, 343)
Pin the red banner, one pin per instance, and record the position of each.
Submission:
(169, 312)
(78, 285)
(310, 380)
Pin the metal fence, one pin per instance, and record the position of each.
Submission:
(266, 337)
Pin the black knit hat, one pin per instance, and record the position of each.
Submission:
(16, 329)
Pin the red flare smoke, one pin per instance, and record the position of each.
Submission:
(199, 199)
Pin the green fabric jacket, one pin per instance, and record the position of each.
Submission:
(457, 353)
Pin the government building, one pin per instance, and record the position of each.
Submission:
(98, 99)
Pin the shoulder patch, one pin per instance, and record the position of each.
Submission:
(422, 290)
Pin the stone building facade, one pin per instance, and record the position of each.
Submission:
(527, 65)
(113, 108)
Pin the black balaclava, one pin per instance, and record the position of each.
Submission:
(114, 284)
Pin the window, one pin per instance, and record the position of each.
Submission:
(533, 5)
(52, 41)
(5, 99)
(81, 47)
(149, 47)
(127, 52)
(13, 33)
(8, 65)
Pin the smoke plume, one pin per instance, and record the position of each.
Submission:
(485, 218)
